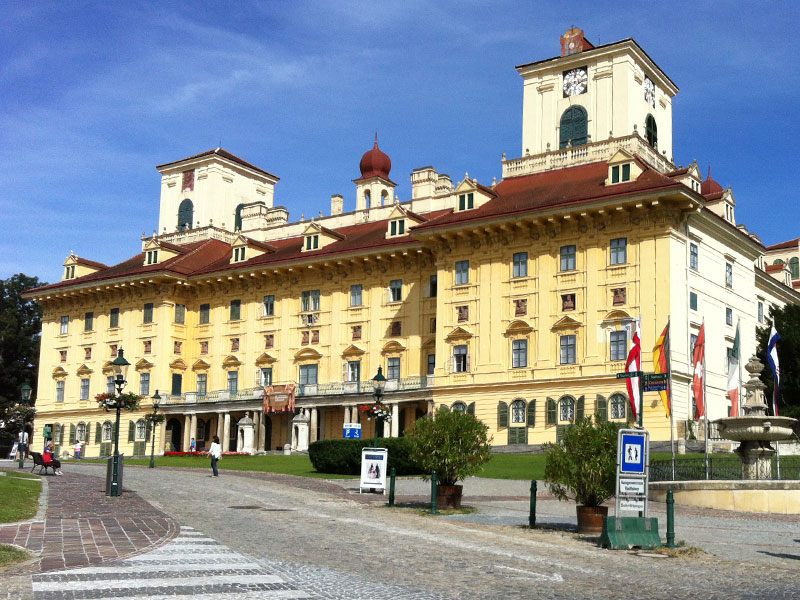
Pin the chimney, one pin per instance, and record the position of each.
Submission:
(423, 182)
(337, 204)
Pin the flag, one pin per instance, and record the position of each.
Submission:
(772, 359)
(699, 364)
(733, 375)
(661, 365)
(634, 363)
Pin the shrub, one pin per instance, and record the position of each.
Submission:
(584, 465)
(454, 444)
(343, 457)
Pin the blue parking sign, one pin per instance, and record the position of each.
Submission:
(352, 431)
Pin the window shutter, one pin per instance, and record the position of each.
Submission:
(471, 409)
(502, 414)
(602, 409)
(444, 407)
(131, 431)
(468, 363)
(98, 433)
(72, 433)
(448, 365)
(56, 433)
(579, 409)
(344, 371)
(551, 418)
(531, 416)
(426, 289)
(147, 431)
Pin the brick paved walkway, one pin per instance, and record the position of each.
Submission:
(84, 527)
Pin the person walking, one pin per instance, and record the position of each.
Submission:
(192, 446)
(216, 453)
(22, 444)
(77, 449)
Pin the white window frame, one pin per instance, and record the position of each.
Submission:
(85, 385)
(64, 324)
(520, 265)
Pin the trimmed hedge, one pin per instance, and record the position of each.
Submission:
(343, 457)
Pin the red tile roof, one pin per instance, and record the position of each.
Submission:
(784, 245)
(90, 263)
(774, 268)
(224, 154)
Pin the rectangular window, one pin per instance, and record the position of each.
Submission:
(354, 370)
(310, 300)
(728, 316)
(615, 174)
(268, 306)
(88, 321)
(626, 172)
(466, 201)
(59, 391)
(567, 344)
(110, 384)
(431, 364)
(180, 314)
(85, 389)
(202, 384)
(233, 381)
(693, 300)
(728, 275)
(433, 286)
(397, 227)
(355, 294)
(113, 318)
(520, 264)
(519, 354)
(308, 374)
(760, 312)
(265, 376)
(147, 313)
(462, 272)
(693, 256)
(64, 325)
(177, 384)
(460, 359)
(312, 242)
(568, 258)
(619, 345)
(393, 368)
(619, 251)
(205, 314)
(236, 310)
(144, 384)
(395, 290)
(692, 341)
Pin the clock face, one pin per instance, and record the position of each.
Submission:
(575, 81)
(649, 91)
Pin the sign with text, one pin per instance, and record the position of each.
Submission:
(655, 386)
(632, 447)
(631, 486)
(636, 504)
(374, 463)
(630, 375)
(656, 377)
(352, 431)
(633, 458)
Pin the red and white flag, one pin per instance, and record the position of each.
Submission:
(699, 364)
(633, 364)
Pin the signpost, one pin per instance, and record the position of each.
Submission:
(373, 470)
(630, 375)
(352, 431)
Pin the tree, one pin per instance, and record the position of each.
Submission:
(20, 336)
(787, 323)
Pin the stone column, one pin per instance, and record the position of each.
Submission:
(262, 431)
(162, 432)
(187, 420)
(256, 430)
(226, 432)
(348, 411)
(314, 423)
(219, 426)
(193, 428)
(395, 418)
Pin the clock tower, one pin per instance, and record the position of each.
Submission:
(590, 93)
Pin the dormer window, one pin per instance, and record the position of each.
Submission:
(397, 227)
(466, 201)
(620, 173)
(69, 272)
(239, 254)
(152, 257)
(312, 242)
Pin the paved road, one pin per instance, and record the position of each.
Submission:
(332, 545)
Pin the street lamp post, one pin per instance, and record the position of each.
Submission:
(120, 366)
(154, 419)
(378, 383)
(25, 396)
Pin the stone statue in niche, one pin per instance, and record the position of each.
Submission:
(568, 302)
(396, 328)
(315, 336)
(304, 340)
(520, 307)
(234, 344)
(619, 296)
(463, 313)
(188, 181)
(356, 332)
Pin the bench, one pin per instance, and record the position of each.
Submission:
(38, 461)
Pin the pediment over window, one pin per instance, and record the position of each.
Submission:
(178, 365)
(84, 370)
(265, 359)
(144, 365)
(566, 323)
(623, 167)
(352, 350)
(518, 327)
(393, 347)
(75, 266)
(307, 354)
(458, 334)
(616, 317)
(244, 248)
(231, 362)
(316, 237)
(108, 368)
(59, 373)
(430, 342)
(200, 365)
(156, 252)
(470, 194)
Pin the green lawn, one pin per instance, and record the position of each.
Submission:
(10, 555)
(296, 464)
(20, 496)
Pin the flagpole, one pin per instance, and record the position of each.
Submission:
(739, 358)
(640, 379)
(669, 395)
(705, 405)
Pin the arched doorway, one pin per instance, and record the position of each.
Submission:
(267, 433)
(185, 215)
(233, 433)
(173, 435)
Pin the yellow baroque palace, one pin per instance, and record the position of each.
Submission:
(515, 301)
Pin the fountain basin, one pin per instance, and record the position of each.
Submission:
(764, 496)
(756, 428)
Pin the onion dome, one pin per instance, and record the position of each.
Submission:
(709, 186)
(375, 163)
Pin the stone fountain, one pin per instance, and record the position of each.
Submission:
(755, 430)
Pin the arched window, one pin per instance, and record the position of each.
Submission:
(237, 219)
(567, 405)
(459, 407)
(778, 261)
(185, 215)
(518, 411)
(107, 431)
(141, 429)
(80, 432)
(619, 406)
(651, 131)
(794, 266)
(574, 127)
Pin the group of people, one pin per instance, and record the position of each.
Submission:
(48, 454)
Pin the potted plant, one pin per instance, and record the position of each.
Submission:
(583, 466)
(455, 445)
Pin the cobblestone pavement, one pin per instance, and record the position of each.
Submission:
(333, 544)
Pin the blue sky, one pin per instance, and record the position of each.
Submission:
(94, 95)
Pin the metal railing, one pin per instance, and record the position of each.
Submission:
(720, 468)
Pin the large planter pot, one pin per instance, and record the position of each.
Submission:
(590, 519)
(448, 497)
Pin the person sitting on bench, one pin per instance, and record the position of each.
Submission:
(49, 459)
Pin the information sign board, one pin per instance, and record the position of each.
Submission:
(633, 459)
(656, 377)
(352, 431)
(630, 375)
(631, 486)
(631, 504)
(374, 463)
(656, 386)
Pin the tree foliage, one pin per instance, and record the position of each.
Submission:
(20, 333)
(787, 323)
(584, 464)
(452, 443)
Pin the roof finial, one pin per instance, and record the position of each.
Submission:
(709, 171)
(376, 138)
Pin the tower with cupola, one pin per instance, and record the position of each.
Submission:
(374, 188)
